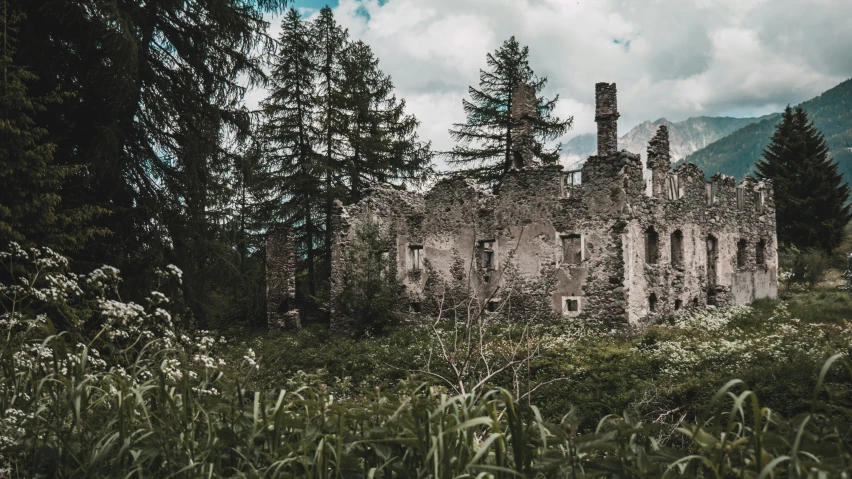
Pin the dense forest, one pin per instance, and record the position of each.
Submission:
(143, 153)
(737, 153)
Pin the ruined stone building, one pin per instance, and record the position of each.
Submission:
(615, 241)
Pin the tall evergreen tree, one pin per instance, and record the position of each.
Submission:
(289, 132)
(812, 201)
(381, 139)
(484, 141)
(32, 211)
(157, 90)
(329, 41)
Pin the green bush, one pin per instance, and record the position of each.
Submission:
(370, 296)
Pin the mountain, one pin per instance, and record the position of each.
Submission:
(685, 136)
(737, 153)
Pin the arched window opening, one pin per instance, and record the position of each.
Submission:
(652, 245)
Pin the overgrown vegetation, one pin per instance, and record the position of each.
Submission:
(123, 393)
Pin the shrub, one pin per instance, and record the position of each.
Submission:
(370, 297)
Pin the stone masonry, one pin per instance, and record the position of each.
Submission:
(623, 246)
(281, 311)
(523, 116)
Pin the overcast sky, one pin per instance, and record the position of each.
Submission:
(670, 58)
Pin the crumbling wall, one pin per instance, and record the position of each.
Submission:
(582, 251)
(281, 310)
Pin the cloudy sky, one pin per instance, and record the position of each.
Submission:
(670, 58)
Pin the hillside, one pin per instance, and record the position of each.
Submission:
(737, 153)
(685, 136)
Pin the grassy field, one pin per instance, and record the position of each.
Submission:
(665, 372)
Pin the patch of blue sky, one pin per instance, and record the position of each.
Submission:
(623, 43)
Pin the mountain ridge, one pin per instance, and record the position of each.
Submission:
(737, 153)
(685, 137)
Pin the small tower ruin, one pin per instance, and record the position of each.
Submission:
(606, 116)
(523, 135)
(281, 311)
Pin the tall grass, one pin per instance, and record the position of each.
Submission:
(120, 392)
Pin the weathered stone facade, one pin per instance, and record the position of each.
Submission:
(281, 311)
(624, 245)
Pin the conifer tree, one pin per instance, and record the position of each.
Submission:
(381, 139)
(155, 110)
(484, 141)
(289, 132)
(32, 211)
(812, 209)
(329, 41)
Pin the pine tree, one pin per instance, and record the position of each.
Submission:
(811, 198)
(32, 211)
(329, 41)
(289, 132)
(155, 111)
(484, 141)
(381, 139)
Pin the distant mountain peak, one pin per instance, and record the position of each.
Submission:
(685, 136)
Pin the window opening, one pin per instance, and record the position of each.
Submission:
(712, 256)
(760, 253)
(492, 305)
(416, 255)
(571, 305)
(677, 248)
(710, 190)
(759, 196)
(674, 188)
(572, 249)
(416, 307)
(652, 303)
(678, 304)
(487, 254)
(740, 198)
(741, 253)
(648, 178)
(570, 179)
(652, 245)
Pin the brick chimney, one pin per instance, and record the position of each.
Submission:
(606, 116)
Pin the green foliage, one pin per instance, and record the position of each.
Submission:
(738, 153)
(371, 294)
(332, 128)
(126, 394)
(484, 141)
(32, 210)
(810, 196)
(153, 117)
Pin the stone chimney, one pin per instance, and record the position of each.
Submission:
(281, 311)
(659, 159)
(606, 116)
(523, 115)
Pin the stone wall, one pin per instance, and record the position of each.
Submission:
(281, 311)
(610, 249)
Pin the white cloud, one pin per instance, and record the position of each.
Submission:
(670, 58)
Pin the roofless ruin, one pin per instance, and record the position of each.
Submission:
(615, 241)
